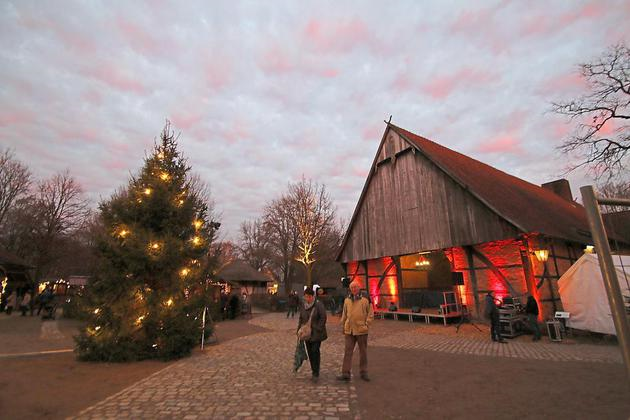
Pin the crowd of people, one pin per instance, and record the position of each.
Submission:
(22, 299)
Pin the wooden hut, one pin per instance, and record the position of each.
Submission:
(244, 276)
(428, 213)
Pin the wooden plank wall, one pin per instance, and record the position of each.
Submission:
(410, 205)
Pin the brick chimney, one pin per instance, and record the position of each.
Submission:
(561, 187)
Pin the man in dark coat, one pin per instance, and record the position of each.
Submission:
(532, 317)
(492, 312)
(318, 329)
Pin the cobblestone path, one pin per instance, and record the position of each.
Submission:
(251, 377)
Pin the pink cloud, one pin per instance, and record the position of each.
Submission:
(501, 144)
(218, 73)
(480, 26)
(275, 60)
(402, 82)
(442, 86)
(373, 132)
(138, 38)
(337, 36)
(185, 121)
(93, 97)
(587, 11)
(117, 77)
(12, 118)
(69, 38)
(563, 83)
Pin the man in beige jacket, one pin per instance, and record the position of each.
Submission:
(356, 319)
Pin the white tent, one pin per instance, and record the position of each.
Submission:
(584, 296)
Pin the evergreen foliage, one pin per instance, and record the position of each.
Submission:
(148, 295)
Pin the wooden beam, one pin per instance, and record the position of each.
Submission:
(473, 278)
(399, 281)
(494, 269)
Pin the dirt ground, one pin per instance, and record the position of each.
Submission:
(440, 385)
(54, 386)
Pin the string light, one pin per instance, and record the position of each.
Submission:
(180, 202)
(147, 191)
(98, 327)
(198, 224)
(139, 320)
(160, 155)
(123, 233)
(196, 240)
(164, 176)
(154, 246)
(169, 302)
(184, 272)
(96, 311)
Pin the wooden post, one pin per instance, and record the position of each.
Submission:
(473, 277)
(399, 281)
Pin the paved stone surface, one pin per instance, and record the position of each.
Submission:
(251, 377)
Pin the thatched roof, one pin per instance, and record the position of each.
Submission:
(239, 270)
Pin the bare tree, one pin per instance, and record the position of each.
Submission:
(312, 214)
(282, 236)
(602, 136)
(614, 190)
(59, 210)
(15, 180)
(254, 245)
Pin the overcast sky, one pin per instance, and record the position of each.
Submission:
(265, 92)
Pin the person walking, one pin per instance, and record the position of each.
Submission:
(492, 313)
(292, 303)
(531, 309)
(25, 305)
(356, 318)
(313, 311)
(12, 302)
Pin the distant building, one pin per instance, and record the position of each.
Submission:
(243, 275)
(427, 212)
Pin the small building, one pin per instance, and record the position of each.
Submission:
(14, 271)
(433, 226)
(239, 273)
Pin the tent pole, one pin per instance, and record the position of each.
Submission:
(609, 274)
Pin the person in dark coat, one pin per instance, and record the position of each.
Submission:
(531, 309)
(292, 304)
(318, 329)
(492, 313)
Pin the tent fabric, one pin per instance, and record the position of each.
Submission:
(584, 296)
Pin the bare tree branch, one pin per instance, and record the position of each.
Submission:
(601, 140)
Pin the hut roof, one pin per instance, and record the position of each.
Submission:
(239, 270)
(12, 261)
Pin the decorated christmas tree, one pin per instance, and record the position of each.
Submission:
(148, 295)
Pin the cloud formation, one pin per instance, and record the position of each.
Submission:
(263, 94)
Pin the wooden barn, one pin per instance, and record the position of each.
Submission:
(428, 213)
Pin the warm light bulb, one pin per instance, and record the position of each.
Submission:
(198, 224)
(164, 176)
(98, 327)
(181, 202)
(154, 246)
(169, 302)
(196, 240)
(147, 191)
(160, 155)
(139, 320)
(96, 311)
(123, 233)
(185, 271)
